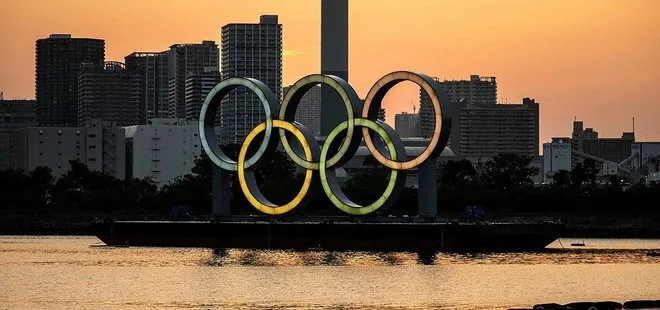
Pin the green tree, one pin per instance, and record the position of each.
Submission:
(562, 179)
(506, 171)
(457, 173)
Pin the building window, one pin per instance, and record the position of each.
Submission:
(92, 159)
(92, 136)
(92, 146)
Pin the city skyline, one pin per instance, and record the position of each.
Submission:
(593, 60)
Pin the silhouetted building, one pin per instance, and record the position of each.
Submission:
(476, 91)
(197, 87)
(154, 91)
(611, 149)
(100, 147)
(162, 150)
(255, 51)
(17, 113)
(110, 93)
(309, 109)
(185, 60)
(484, 131)
(58, 61)
(334, 59)
(406, 124)
(14, 114)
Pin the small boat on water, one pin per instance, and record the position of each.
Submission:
(578, 243)
(655, 253)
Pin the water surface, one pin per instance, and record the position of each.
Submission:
(81, 273)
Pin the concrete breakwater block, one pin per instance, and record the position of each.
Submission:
(602, 305)
(642, 304)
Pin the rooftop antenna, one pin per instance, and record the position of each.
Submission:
(633, 125)
(414, 107)
(2, 95)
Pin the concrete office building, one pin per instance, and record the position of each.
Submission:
(14, 114)
(477, 91)
(586, 141)
(58, 61)
(197, 87)
(406, 124)
(100, 147)
(255, 51)
(110, 93)
(309, 109)
(162, 150)
(153, 70)
(557, 156)
(334, 59)
(184, 60)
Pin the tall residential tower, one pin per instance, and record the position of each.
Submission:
(110, 93)
(185, 60)
(59, 59)
(253, 51)
(153, 70)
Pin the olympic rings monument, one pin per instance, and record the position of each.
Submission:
(320, 161)
(424, 234)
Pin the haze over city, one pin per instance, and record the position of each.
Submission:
(594, 60)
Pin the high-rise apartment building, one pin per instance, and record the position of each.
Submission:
(110, 93)
(487, 130)
(406, 124)
(476, 91)
(309, 109)
(59, 59)
(154, 92)
(481, 128)
(254, 51)
(184, 60)
(197, 87)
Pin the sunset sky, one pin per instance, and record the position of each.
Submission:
(597, 60)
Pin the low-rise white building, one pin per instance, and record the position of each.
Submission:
(556, 157)
(162, 150)
(99, 146)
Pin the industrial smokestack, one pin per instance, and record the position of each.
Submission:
(334, 59)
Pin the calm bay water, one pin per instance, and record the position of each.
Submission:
(79, 273)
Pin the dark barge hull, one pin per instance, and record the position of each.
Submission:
(346, 236)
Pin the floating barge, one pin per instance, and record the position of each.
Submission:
(332, 235)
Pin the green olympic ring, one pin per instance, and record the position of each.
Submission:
(358, 115)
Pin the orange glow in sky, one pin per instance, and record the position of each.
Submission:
(597, 60)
